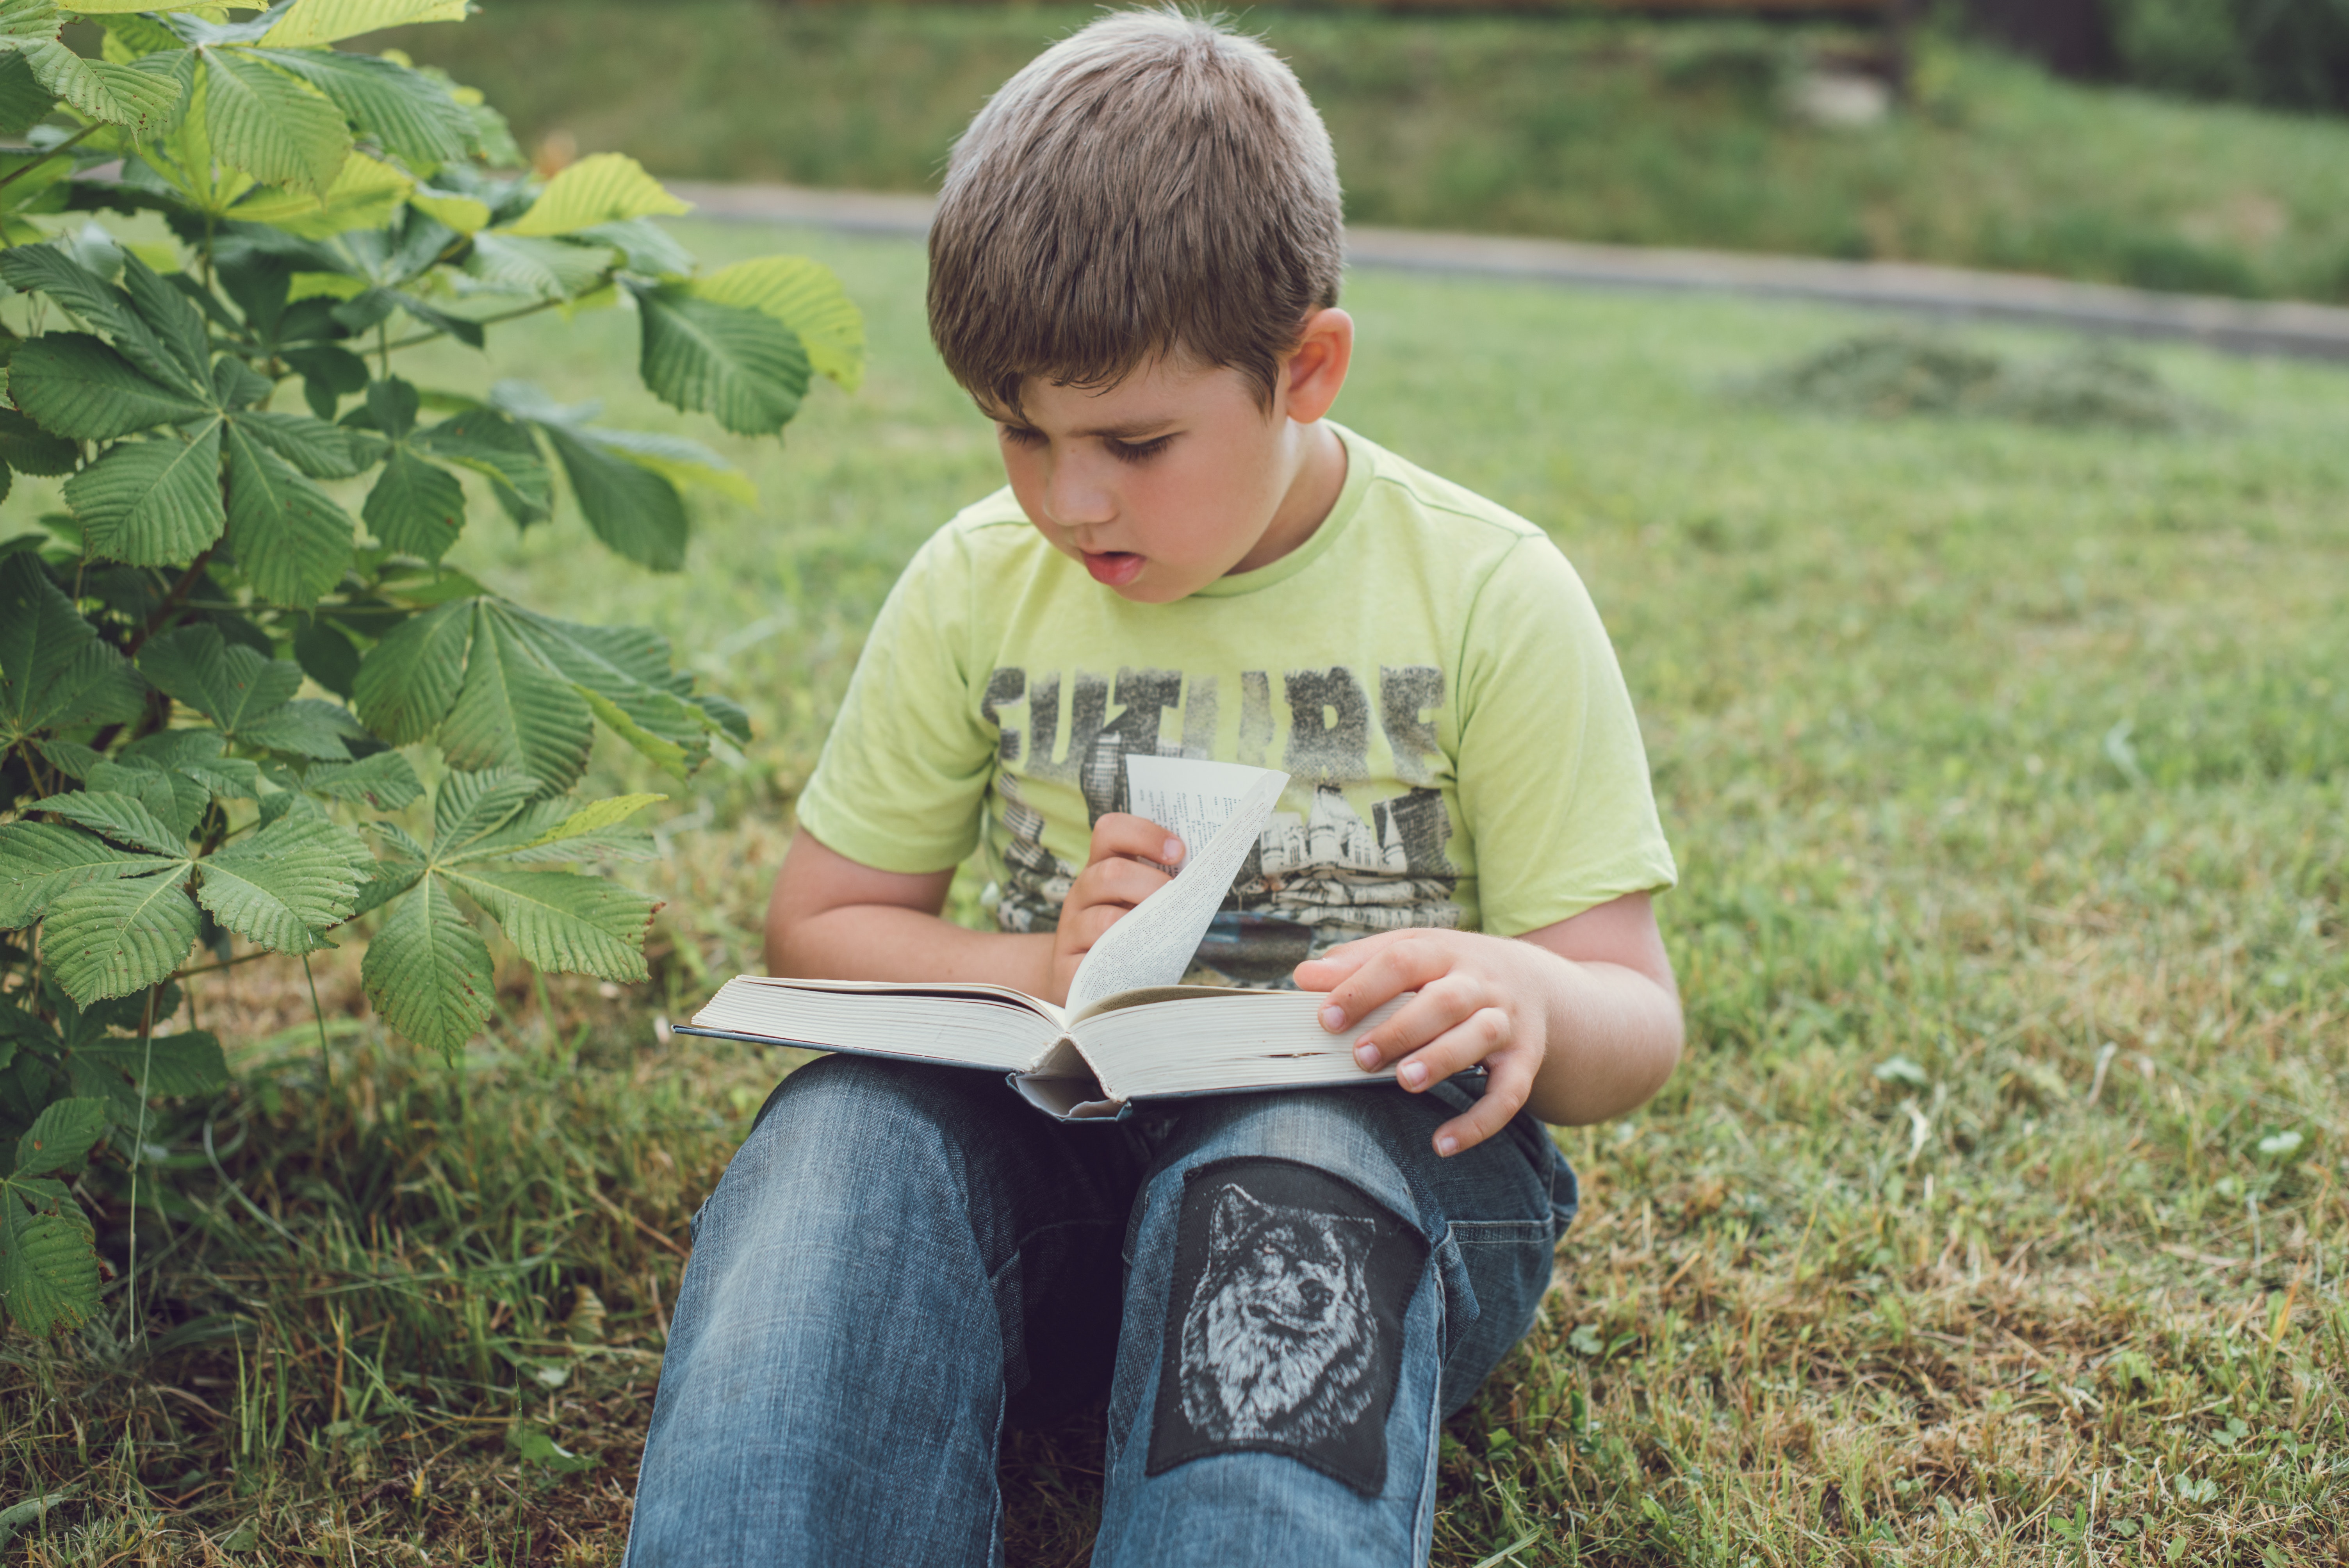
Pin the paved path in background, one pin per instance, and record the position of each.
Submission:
(2243, 326)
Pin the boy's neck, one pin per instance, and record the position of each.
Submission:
(1311, 496)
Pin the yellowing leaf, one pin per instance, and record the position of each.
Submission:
(806, 296)
(364, 195)
(603, 189)
(325, 286)
(462, 213)
(313, 22)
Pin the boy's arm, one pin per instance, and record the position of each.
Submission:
(1579, 1021)
(833, 918)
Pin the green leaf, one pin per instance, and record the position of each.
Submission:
(627, 668)
(407, 683)
(154, 502)
(383, 782)
(284, 887)
(73, 386)
(176, 800)
(427, 970)
(23, 101)
(122, 818)
(60, 1137)
(416, 507)
(292, 541)
(172, 317)
(605, 187)
(304, 727)
(501, 448)
(40, 861)
(307, 23)
(630, 508)
(549, 268)
(321, 450)
(109, 938)
(681, 461)
(142, 101)
(227, 683)
(513, 712)
(29, 449)
(592, 833)
(52, 271)
(745, 367)
(409, 113)
(48, 1267)
(469, 808)
(648, 247)
(563, 921)
(366, 194)
(169, 1066)
(273, 126)
(804, 295)
(54, 672)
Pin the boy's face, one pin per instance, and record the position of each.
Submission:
(1178, 476)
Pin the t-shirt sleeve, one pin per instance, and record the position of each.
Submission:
(1554, 786)
(904, 774)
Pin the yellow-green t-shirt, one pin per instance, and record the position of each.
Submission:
(1426, 668)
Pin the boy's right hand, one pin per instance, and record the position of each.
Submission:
(1118, 875)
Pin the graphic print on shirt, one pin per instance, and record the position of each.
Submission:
(1284, 1321)
(1367, 853)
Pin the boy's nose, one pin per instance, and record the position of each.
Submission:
(1076, 502)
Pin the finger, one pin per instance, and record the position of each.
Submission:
(1441, 1005)
(1486, 1032)
(1120, 882)
(1326, 971)
(1136, 838)
(1088, 925)
(1511, 1080)
(1405, 965)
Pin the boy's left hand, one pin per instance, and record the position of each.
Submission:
(1481, 999)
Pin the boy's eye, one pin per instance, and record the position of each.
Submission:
(1022, 435)
(1136, 452)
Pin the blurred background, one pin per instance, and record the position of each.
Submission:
(2196, 145)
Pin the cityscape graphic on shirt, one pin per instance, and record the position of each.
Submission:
(1315, 878)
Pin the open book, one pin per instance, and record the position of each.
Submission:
(1129, 1031)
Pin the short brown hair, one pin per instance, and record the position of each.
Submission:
(1154, 184)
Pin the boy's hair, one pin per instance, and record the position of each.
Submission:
(1155, 185)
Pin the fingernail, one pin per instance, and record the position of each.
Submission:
(1413, 1073)
(1447, 1146)
(1333, 1017)
(1367, 1053)
(1172, 853)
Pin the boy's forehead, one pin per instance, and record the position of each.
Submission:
(1146, 399)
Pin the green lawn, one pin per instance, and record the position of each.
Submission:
(1537, 125)
(1997, 1214)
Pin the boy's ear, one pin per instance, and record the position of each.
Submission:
(1316, 367)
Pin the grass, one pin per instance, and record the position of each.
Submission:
(1996, 1216)
(1535, 125)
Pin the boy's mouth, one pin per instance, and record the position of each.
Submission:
(1115, 567)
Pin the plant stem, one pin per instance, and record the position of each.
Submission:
(514, 314)
(138, 1153)
(326, 1062)
(50, 157)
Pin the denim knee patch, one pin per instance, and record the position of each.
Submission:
(1283, 1320)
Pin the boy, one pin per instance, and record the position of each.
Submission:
(1135, 273)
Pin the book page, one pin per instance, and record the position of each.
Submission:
(1152, 944)
(1189, 799)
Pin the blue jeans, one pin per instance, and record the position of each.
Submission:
(1284, 1295)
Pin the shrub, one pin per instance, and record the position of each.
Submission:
(215, 684)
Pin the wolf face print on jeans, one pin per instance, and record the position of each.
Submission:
(1284, 1327)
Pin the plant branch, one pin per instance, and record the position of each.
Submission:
(168, 610)
(195, 969)
(54, 153)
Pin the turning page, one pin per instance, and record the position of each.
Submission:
(1153, 943)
